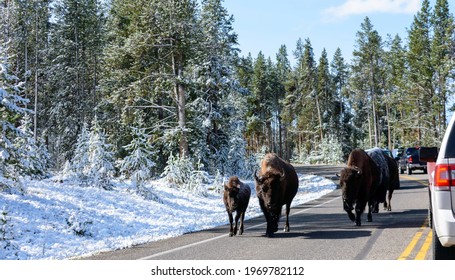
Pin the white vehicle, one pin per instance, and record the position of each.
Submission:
(442, 194)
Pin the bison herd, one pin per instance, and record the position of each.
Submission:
(369, 178)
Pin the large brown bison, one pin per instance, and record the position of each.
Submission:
(276, 185)
(358, 184)
(236, 197)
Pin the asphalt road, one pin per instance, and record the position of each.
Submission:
(320, 230)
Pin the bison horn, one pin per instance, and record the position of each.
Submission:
(357, 170)
(256, 178)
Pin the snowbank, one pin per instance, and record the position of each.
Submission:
(53, 220)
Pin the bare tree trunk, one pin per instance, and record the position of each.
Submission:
(35, 115)
(280, 136)
(319, 117)
(369, 129)
(373, 101)
(181, 104)
(389, 130)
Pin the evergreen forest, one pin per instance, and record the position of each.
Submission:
(149, 88)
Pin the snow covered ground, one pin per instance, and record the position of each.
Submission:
(52, 220)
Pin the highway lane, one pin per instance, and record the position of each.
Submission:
(320, 230)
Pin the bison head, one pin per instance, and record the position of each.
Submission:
(269, 191)
(350, 184)
(231, 191)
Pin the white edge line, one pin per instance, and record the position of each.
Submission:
(225, 235)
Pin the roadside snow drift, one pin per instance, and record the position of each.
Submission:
(53, 220)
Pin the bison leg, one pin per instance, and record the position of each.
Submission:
(351, 216)
(268, 219)
(371, 206)
(242, 217)
(358, 214)
(270, 225)
(231, 220)
(375, 207)
(237, 217)
(288, 209)
(359, 207)
(275, 218)
(389, 198)
(348, 208)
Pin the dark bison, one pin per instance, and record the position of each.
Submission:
(276, 185)
(236, 197)
(380, 191)
(394, 182)
(358, 183)
(388, 178)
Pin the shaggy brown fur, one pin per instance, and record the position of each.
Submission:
(276, 185)
(358, 183)
(236, 197)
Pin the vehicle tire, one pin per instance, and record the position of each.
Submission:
(401, 170)
(408, 170)
(440, 252)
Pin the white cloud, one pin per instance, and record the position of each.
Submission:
(356, 7)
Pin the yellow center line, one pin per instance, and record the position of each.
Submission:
(412, 244)
(427, 243)
(425, 247)
(423, 182)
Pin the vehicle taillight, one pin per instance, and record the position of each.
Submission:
(444, 176)
(410, 159)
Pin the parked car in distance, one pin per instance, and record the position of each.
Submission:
(409, 160)
(441, 190)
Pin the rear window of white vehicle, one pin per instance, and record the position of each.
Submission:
(450, 148)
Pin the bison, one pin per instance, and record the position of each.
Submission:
(394, 181)
(388, 178)
(358, 184)
(379, 194)
(276, 185)
(236, 197)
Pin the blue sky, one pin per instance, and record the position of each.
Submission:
(265, 25)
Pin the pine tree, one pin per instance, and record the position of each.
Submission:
(307, 108)
(27, 30)
(12, 109)
(340, 74)
(75, 46)
(138, 165)
(257, 113)
(421, 77)
(93, 159)
(442, 56)
(324, 90)
(209, 114)
(395, 87)
(366, 80)
(100, 167)
(80, 160)
(283, 72)
(244, 73)
(33, 156)
(152, 45)
(6, 233)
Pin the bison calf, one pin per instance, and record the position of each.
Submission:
(236, 197)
